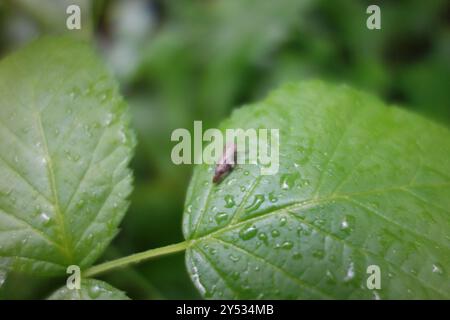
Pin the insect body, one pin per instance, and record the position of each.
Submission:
(226, 163)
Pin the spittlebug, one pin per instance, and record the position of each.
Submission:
(226, 163)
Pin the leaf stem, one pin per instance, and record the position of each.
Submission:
(135, 258)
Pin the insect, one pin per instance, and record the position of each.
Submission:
(226, 163)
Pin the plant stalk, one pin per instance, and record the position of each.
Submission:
(135, 258)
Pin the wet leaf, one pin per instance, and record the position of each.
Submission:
(65, 147)
(359, 184)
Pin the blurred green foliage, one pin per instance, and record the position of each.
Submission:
(185, 60)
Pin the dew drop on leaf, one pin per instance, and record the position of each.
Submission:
(108, 119)
(297, 256)
(229, 201)
(272, 197)
(263, 237)
(319, 254)
(221, 218)
(257, 201)
(94, 292)
(3, 276)
(330, 278)
(122, 136)
(287, 245)
(438, 269)
(248, 233)
(350, 272)
(287, 181)
(44, 218)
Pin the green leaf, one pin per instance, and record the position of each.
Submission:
(65, 147)
(359, 184)
(90, 289)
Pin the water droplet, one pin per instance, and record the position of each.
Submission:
(347, 224)
(44, 218)
(319, 222)
(437, 268)
(243, 188)
(3, 276)
(350, 272)
(272, 197)
(297, 256)
(80, 203)
(235, 275)
(319, 254)
(233, 258)
(283, 221)
(108, 120)
(287, 181)
(68, 155)
(275, 233)
(257, 201)
(246, 173)
(263, 237)
(229, 201)
(248, 233)
(330, 278)
(94, 292)
(122, 136)
(287, 245)
(221, 218)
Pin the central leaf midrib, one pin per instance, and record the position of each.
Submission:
(314, 201)
(52, 181)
